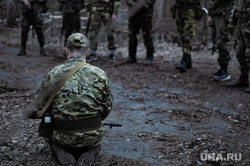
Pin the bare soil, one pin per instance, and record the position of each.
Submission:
(168, 117)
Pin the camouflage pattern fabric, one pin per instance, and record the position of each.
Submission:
(101, 12)
(243, 34)
(186, 23)
(71, 16)
(34, 17)
(141, 18)
(221, 13)
(85, 94)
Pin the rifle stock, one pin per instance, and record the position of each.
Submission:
(112, 124)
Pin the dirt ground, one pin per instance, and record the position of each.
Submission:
(169, 118)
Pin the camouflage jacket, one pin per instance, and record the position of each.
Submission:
(71, 6)
(110, 6)
(85, 94)
(218, 7)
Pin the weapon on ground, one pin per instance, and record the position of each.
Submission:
(112, 124)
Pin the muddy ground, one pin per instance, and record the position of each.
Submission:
(169, 118)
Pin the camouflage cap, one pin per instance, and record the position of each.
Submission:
(77, 40)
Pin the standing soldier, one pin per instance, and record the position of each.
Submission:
(33, 15)
(71, 16)
(186, 13)
(242, 18)
(102, 11)
(140, 17)
(218, 19)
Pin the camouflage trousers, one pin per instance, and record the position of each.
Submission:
(145, 24)
(186, 25)
(97, 18)
(221, 38)
(243, 46)
(71, 24)
(36, 20)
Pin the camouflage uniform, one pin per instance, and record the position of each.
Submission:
(220, 11)
(71, 16)
(86, 94)
(101, 11)
(140, 17)
(34, 17)
(186, 17)
(242, 8)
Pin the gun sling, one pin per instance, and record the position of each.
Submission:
(91, 123)
(39, 114)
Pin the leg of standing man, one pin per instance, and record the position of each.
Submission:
(148, 41)
(186, 24)
(221, 42)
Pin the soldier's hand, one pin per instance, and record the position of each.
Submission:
(209, 20)
(27, 3)
(113, 17)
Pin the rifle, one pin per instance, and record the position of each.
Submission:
(112, 124)
(213, 37)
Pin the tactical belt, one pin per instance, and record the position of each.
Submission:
(78, 125)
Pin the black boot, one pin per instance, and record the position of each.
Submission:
(22, 52)
(248, 90)
(42, 51)
(131, 59)
(186, 63)
(242, 82)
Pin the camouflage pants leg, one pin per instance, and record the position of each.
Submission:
(221, 39)
(96, 22)
(186, 25)
(38, 25)
(243, 47)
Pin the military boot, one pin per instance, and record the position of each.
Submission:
(186, 63)
(22, 52)
(92, 56)
(112, 56)
(242, 82)
(89, 157)
(42, 51)
(248, 90)
(131, 60)
(62, 156)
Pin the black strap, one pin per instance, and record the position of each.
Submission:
(91, 123)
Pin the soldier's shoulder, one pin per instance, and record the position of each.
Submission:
(97, 70)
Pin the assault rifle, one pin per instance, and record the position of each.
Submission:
(112, 124)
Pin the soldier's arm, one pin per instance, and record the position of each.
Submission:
(25, 2)
(107, 101)
(88, 5)
(150, 2)
(117, 5)
(130, 2)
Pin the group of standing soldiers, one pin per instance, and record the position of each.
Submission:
(98, 12)
(225, 17)
(231, 17)
(223, 14)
